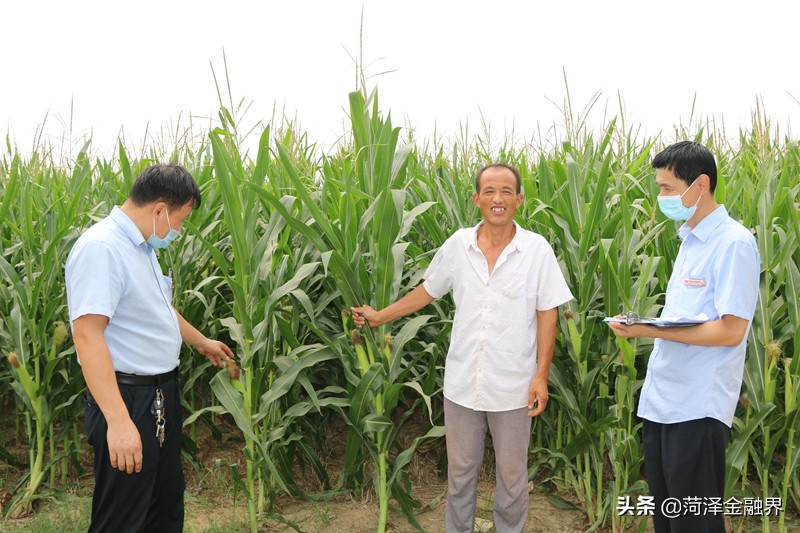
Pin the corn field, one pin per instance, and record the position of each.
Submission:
(287, 238)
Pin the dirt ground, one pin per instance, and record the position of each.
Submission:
(351, 515)
(213, 506)
(362, 517)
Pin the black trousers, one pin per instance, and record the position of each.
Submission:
(686, 460)
(152, 500)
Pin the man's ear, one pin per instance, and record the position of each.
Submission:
(704, 182)
(158, 208)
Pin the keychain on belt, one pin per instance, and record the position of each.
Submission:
(158, 412)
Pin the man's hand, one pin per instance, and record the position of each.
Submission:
(410, 303)
(124, 446)
(220, 355)
(634, 331)
(537, 397)
(217, 352)
(726, 331)
(364, 314)
(124, 441)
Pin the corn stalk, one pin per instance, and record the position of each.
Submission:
(39, 212)
(357, 222)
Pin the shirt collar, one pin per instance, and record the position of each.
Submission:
(127, 226)
(705, 227)
(515, 244)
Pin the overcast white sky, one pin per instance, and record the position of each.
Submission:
(105, 66)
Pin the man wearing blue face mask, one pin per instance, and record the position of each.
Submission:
(694, 374)
(128, 338)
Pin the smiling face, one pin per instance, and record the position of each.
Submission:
(497, 197)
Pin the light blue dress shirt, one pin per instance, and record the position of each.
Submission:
(716, 273)
(112, 271)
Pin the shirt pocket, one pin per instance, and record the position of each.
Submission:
(513, 299)
(694, 294)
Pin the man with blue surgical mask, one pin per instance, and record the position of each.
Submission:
(672, 204)
(694, 373)
(128, 338)
(157, 242)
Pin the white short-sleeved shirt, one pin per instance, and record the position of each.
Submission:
(112, 271)
(716, 273)
(493, 348)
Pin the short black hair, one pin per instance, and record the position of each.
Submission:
(168, 183)
(498, 165)
(687, 160)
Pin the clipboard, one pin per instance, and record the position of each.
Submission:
(630, 318)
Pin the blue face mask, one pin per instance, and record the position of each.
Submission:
(673, 208)
(158, 242)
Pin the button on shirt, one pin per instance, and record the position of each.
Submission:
(492, 357)
(716, 273)
(112, 271)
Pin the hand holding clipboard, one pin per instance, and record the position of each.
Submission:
(630, 318)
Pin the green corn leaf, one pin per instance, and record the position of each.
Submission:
(233, 402)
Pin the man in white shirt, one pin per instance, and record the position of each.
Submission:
(694, 374)
(128, 339)
(506, 286)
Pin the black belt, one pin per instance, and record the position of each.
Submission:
(139, 380)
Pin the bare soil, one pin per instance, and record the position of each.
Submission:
(214, 505)
(347, 513)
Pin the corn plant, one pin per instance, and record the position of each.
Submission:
(764, 187)
(39, 206)
(357, 223)
(591, 208)
(267, 281)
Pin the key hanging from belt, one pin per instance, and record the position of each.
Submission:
(158, 412)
